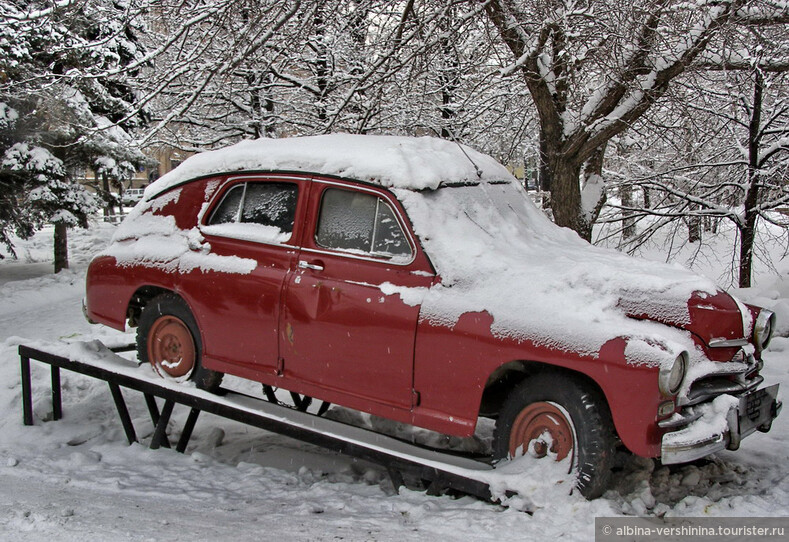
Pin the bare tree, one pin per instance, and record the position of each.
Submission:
(367, 66)
(593, 70)
(722, 157)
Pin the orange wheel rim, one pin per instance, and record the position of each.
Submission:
(171, 349)
(541, 428)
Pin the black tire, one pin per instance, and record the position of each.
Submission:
(169, 317)
(593, 441)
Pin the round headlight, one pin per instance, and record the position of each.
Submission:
(763, 328)
(671, 378)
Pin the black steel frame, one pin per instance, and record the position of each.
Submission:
(439, 480)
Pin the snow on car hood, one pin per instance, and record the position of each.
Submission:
(496, 252)
(392, 161)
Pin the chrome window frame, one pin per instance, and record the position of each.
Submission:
(201, 217)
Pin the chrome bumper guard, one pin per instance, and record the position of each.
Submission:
(718, 425)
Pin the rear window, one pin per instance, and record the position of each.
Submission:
(360, 223)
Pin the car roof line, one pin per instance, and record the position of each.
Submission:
(311, 174)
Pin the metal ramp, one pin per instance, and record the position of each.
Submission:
(442, 470)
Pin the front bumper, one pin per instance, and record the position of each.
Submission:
(718, 425)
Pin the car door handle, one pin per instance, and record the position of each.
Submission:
(303, 264)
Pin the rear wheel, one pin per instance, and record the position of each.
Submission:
(168, 338)
(556, 417)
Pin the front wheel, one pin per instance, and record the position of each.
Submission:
(168, 338)
(556, 416)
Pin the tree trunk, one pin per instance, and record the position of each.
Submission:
(593, 187)
(751, 214)
(109, 208)
(321, 66)
(567, 209)
(449, 77)
(628, 222)
(255, 106)
(269, 122)
(694, 227)
(747, 236)
(544, 172)
(61, 246)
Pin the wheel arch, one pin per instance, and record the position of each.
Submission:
(141, 297)
(506, 377)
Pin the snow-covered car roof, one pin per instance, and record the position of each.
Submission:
(415, 163)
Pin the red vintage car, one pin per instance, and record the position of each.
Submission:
(412, 278)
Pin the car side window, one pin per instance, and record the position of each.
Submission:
(257, 211)
(361, 223)
(270, 204)
(227, 211)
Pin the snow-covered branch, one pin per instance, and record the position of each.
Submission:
(10, 12)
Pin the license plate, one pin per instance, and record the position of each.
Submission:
(756, 408)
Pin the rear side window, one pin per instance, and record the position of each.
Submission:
(257, 211)
(360, 223)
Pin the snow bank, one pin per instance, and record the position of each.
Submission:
(77, 478)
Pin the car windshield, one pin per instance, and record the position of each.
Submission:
(491, 206)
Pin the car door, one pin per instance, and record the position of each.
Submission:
(254, 217)
(339, 331)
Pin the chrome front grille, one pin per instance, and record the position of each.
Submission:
(708, 388)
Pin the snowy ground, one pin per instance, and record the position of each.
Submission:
(77, 479)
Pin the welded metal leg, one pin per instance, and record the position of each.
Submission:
(123, 412)
(160, 433)
(437, 488)
(323, 408)
(27, 397)
(301, 402)
(57, 403)
(186, 434)
(397, 478)
(270, 395)
(153, 410)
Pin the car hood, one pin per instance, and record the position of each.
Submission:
(495, 252)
